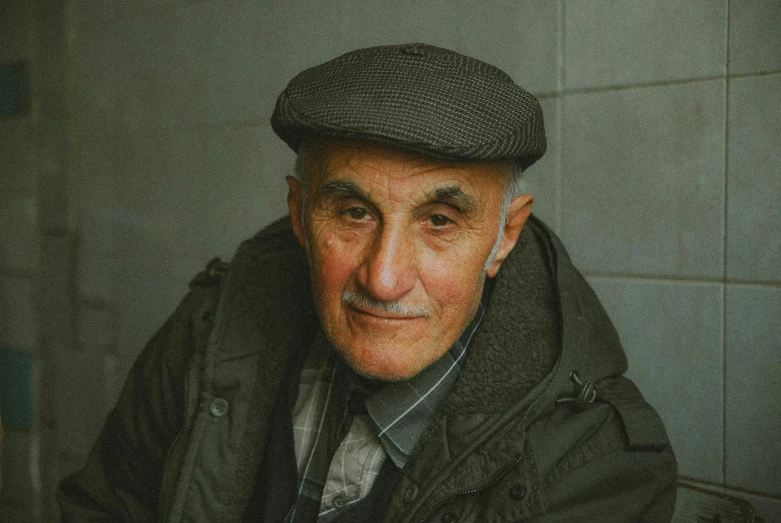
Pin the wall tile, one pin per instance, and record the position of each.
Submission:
(16, 159)
(54, 181)
(144, 291)
(97, 72)
(52, 33)
(542, 178)
(672, 336)
(18, 453)
(95, 12)
(147, 64)
(643, 180)
(202, 62)
(638, 41)
(754, 184)
(103, 159)
(18, 315)
(294, 38)
(375, 22)
(753, 388)
(754, 43)
(528, 29)
(227, 57)
(519, 37)
(98, 326)
(251, 164)
(57, 315)
(19, 237)
(14, 90)
(13, 30)
(130, 9)
(80, 404)
(17, 371)
(146, 194)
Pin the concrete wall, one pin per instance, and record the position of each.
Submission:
(662, 177)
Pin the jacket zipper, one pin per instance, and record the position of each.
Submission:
(493, 481)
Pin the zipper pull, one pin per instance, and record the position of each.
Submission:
(585, 393)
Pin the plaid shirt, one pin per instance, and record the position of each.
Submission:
(345, 426)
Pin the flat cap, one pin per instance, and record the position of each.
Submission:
(418, 97)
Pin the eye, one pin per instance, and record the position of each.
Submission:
(439, 220)
(356, 213)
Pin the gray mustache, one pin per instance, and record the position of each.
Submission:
(390, 307)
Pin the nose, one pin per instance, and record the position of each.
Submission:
(388, 270)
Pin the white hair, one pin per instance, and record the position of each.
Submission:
(514, 186)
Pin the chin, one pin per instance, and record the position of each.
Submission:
(379, 368)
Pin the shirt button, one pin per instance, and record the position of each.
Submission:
(411, 493)
(449, 517)
(517, 492)
(218, 407)
(338, 502)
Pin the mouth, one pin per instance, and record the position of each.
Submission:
(382, 315)
(366, 307)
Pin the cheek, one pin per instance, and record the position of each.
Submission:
(334, 264)
(451, 280)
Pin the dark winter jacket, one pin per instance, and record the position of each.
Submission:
(520, 438)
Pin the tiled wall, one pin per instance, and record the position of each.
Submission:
(662, 177)
(48, 407)
(670, 187)
(19, 260)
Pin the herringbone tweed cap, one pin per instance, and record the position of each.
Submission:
(418, 97)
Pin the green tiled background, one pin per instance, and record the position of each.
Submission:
(14, 91)
(16, 388)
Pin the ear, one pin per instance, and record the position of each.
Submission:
(295, 200)
(517, 214)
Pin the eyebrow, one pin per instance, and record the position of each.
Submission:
(456, 197)
(341, 188)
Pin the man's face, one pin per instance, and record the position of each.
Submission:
(397, 246)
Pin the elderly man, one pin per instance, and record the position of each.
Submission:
(411, 344)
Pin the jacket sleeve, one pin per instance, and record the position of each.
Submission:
(122, 476)
(622, 469)
(622, 486)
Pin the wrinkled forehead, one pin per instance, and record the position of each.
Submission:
(326, 157)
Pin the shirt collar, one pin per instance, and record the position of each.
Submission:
(402, 410)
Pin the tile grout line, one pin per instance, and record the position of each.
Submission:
(735, 490)
(668, 278)
(38, 448)
(755, 73)
(558, 161)
(73, 151)
(642, 85)
(725, 258)
(261, 122)
(661, 83)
